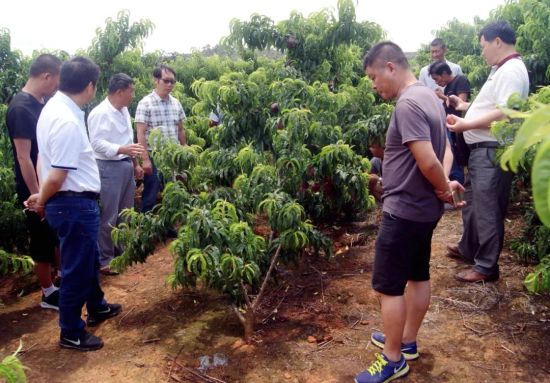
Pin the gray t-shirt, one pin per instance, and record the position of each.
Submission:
(418, 116)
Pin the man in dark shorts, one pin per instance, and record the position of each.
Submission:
(415, 186)
(21, 119)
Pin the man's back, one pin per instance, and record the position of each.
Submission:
(21, 119)
(418, 116)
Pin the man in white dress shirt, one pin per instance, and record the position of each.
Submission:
(112, 139)
(68, 198)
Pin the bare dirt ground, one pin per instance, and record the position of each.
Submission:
(315, 326)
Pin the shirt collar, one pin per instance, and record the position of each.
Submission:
(70, 103)
(158, 98)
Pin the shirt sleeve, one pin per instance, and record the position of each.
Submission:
(411, 122)
(143, 113)
(24, 126)
(510, 82)
(99, 128)
(65, 145)
(423, 76)
(462, 85)
(181, 113)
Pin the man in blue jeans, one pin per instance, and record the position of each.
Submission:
(68, 197)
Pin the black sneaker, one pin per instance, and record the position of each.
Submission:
(111, 310)
(85, 342)
(51, 301)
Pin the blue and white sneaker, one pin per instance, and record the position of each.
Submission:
(383, 370)
(409, 350)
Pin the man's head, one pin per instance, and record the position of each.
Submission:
(79, 77)
(45, 71)
(441, 73)
(386, 64)
(121, 89)
(165, 78)
(438, 50)
(377, 150)
(497, 40)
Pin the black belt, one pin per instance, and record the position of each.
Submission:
(122, 159)
(84, 194)
(484, 144)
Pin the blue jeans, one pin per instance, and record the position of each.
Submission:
(76, 222)
(151, 187)
(457, 171)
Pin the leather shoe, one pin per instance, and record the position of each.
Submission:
(473, 276)
(454, 252)
(107, 271)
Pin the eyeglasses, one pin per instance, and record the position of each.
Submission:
(168, 81)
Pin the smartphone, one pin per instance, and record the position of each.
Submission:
(458, 197)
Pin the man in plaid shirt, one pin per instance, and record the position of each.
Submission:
(158, 110)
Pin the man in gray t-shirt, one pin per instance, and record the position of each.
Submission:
(415, 186)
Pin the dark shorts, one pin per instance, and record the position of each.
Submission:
(403, 251)
(43, 239)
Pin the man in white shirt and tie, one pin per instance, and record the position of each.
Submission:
(112, 139)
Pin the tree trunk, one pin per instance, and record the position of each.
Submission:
(249, 322)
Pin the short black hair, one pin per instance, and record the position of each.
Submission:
(500, 29)
(438, 42)
(77, 73)
(45, 63)
(119, 81)
(439, 67)
(386, 51)
(157, 72)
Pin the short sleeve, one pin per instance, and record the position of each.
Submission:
(462, 85)
(143, 112)
(510, 83)
(181, 113)
(65, 145)
(411, 122)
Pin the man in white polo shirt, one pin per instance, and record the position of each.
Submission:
(112, 139)
(487, 185)
(158, 110)
(68, 197)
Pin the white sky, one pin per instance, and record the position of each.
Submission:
(180, 25)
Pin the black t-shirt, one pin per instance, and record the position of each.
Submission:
(21, 119)
(458, 85)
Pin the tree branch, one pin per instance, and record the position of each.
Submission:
(264, 284)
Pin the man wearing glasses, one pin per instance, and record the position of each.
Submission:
(158, 110)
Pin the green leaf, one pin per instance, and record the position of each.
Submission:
(540, 178)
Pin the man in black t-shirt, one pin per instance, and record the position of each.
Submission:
(21, 119)
(460, 87)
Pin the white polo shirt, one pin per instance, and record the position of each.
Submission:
(63, 144)
(109, 129)
(510, 78)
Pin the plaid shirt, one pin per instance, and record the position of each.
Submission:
(155, 112)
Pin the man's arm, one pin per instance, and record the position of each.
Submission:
(431, 168)
(457, 124)
(23, 148)
(146, 165)
(181, 134)
(447, 159)
(52, 184)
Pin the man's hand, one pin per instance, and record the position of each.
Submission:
(132, 150)
(147, 166)
(138, 172)
(458, 103)
(457, 124)
(439, 93)
(33, 205)
(447, 196)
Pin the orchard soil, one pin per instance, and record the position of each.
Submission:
(314, 326)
